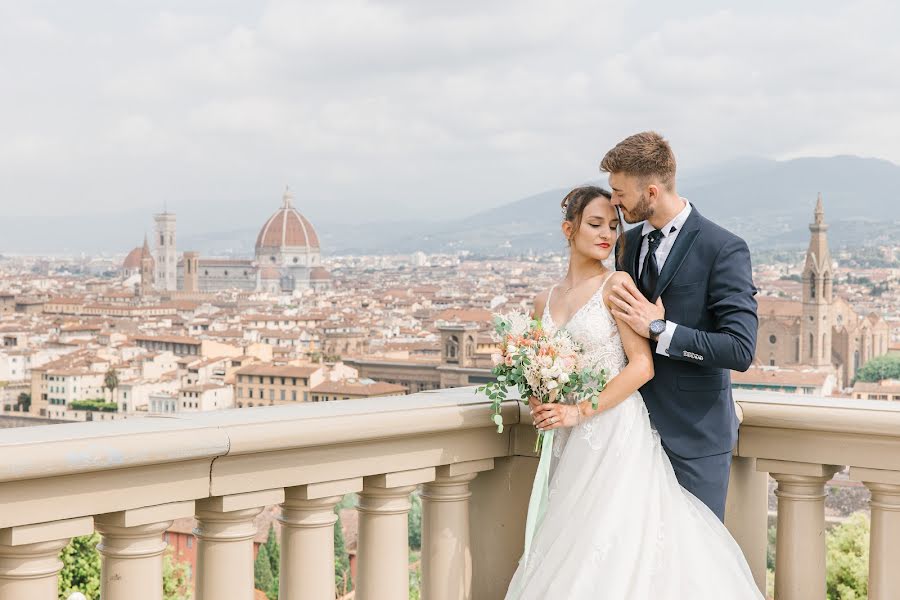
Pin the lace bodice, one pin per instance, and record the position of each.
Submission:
(595, 329)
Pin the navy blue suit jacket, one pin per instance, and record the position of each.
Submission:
(707, 289)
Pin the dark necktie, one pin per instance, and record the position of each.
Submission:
(650, 271)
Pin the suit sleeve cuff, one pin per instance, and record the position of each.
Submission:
(665, 339)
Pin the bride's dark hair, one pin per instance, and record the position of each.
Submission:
(576, 201)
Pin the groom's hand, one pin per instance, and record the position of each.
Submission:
(635, 310)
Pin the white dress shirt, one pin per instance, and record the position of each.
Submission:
(670, 233)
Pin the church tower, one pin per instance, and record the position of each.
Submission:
(166, 267)
(146, 269)
(815, 328)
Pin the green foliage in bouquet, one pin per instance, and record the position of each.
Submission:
(513, 368)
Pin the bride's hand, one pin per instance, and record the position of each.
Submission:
(553, 415)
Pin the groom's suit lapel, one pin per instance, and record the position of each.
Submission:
(632, 252)
(679, 252)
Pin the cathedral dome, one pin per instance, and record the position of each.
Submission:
(133, 260)
(287, 229)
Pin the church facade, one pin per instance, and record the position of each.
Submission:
(821, 331)
(287, 258)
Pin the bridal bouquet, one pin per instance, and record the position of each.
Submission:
(548, 367)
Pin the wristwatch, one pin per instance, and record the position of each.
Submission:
(657, 327)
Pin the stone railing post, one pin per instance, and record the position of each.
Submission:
(383, 567)
(446, 553)
(225, 531)
(29, 557)
(747, 514)
(307, 539)
(132, 547)
(800, 545)
(884, 538)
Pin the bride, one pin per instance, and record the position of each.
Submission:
(616, 524)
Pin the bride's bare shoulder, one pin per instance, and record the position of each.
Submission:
(540, 301)
(619, 278)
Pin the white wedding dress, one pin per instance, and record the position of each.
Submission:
(617, 524)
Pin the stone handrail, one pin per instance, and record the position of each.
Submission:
(129, 479)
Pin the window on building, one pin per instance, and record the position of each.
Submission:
(272, 395)
(293, 395)
(772, 339)
(282, 395)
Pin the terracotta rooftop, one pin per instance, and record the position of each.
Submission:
(377, 388)
(277, 371)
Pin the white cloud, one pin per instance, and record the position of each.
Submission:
(396, 108)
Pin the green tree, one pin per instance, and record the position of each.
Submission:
(881, 367)
(341, 561)
(414, 522)
(111, 381)
(81, 571)
(847, 559)
(274, 552)
(24, 402)
(81, 567)
(262, 571)
(176, 579)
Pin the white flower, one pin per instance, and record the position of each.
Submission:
(552, 385)
(563, 378)
(519, 323)
(496, 358)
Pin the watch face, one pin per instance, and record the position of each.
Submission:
(657, 327)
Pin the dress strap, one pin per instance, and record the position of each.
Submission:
(606, 280)
(547, 305)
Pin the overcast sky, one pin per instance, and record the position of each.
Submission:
(413, 108)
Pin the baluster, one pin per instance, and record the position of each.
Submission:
(132, 547)
(446, 553)
(800, 545)
(884, 537)
(307, 539)
(383, 567)
(225, 532)
(29, 557)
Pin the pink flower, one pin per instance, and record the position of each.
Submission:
(496, 358)
(509, 361)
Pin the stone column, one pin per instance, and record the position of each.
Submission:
(132, 547)
(884, 539)
(29, 557)
(800, 546)
(383, 548)
(747, 514)
(225, 533)
(446, 553)
(307, 539)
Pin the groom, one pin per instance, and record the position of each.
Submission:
(694, 300)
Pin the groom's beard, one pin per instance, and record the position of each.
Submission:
(641, 211)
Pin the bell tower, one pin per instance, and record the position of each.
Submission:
(815, 328)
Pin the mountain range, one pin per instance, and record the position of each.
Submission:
(768, 202)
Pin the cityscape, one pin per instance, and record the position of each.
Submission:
(259, 270)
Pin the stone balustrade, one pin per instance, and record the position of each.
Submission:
(128, 480)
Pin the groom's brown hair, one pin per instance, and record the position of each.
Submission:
(643, 155)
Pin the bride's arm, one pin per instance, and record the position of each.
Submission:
(636, 373)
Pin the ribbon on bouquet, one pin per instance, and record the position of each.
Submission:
(540, 491)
